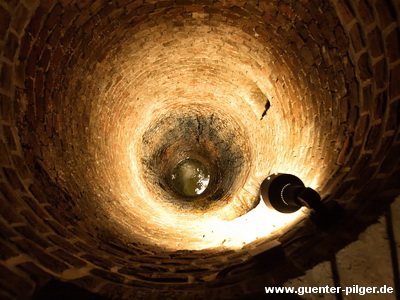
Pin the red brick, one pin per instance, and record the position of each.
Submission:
(48, 108)
(393, 182)
(349, 70)
(345, 151)
(44, 259)
(54, 17)
(63, 243)
(394, 88)
(6, 76)
(6, 108)
(4, 155)
(25, 46)
(36, 192)
(12, 4)
(69, 15)
(341, 37)
(36, 208)
(379, 105)
(69, 259)
(392, 160)
(44, 62)
(97, 5)
(67, 38)
(301, 12)
(361, 128)
(37, 274)
(111, 11)
(39, 108)
(9, 195)
(80, 20)
(20, 19)
(183, 2)
(344, 110)
(88, 282)
(373, 139)
(360, 165)
(256, 11)
(30, 234)
(113, 249)
(55, 36)
(122, 3)
(6, 252)
(204, 2)
(266, 18)
(46, 5)
(32, 62)
(145, 9)
(83, 246)
(90, 24)
(13, 179)
(345, 10)
(108, 275)
(368, 99)
(11, 46)
(57, 215)
(5, 19)
(10, 214)
(315, 31)
(375, 42)
(167, 3)
(20, 286)
(393, 121)
(34, 221)
(6, 231)
(263, 33)
(35, 24)
(41, 42)
(19, 74)
(393, 45)
(364, 66)
(19, 164)
(9, 136)
(353, 117)
(49, 83)
(98, 261)
(365, 11)
(306, 55)
(380, 71)
(240, 11)
(386, 12)
(384, 147)
(58, 228)
(56, 58)
(83, 4)
(39, 82)
(211, 10)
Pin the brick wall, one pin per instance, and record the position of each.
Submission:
(82, 81)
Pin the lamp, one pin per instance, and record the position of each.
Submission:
(286, 193)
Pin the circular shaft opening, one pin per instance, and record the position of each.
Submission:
(190, 177)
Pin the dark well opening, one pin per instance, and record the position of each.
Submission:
(190, 177)
(210, 141)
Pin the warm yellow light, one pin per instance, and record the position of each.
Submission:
(258, 223)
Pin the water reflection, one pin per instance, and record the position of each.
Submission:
(190, 177)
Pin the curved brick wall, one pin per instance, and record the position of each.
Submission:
(99, 99)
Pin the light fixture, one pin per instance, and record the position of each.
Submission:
(286, 193)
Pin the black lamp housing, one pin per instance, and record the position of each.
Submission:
(286, 193)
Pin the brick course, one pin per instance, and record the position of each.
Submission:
(82, 81)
